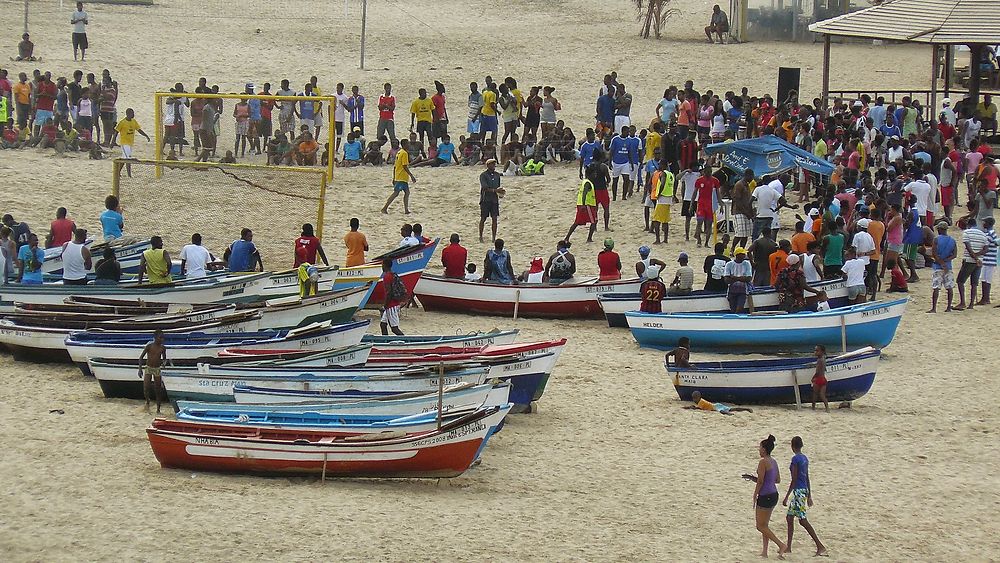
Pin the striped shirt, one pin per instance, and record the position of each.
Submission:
(990, 259)
(975, 241)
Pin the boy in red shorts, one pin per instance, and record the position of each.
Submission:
(819, 378)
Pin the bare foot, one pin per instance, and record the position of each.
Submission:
(948, 310)
(957, 307)
(932, 311)
(821, 553)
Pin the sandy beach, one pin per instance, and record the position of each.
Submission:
(611, 467)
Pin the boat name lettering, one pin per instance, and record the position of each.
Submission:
(350, 273)
(652, 325)
(843, 367)
(875, 312)
(454, 434)
(517, 366)
(339, 360)
(600, 289)
(235, 290)
(209, 441)
(693, 378)
(410, 258)
(316, 340)
(332, 303)
(215, 383)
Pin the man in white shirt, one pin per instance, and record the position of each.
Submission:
(195, 259)
(79, 21)
(863, 243)
(854, 270)
(778, 185)
(340, 113)
(921, 191)
(689, 206)
(949, 113)
(408, 239)
(765, 199)
(975, 245)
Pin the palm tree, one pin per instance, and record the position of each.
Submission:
(653, 14)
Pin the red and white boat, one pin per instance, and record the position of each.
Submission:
(568, 300)
(447, 452)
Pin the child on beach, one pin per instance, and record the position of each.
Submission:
(681, 355)
(898, 282)
(470, 273)
(800, 489)
(819, 378)
(721, 408)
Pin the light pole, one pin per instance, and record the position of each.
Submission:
(364, 29)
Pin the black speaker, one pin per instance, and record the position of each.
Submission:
(788, 79)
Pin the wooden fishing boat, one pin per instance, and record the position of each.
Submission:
(408, 262)
(615, 305)
(321, 336)
(227, 289)
(406, 343)
(569, 300)
(216, 383)
(118, 379)
(128, 253)
(341, 424)
(773, 380)
(868, 324)
(447, 452)
(453, 398)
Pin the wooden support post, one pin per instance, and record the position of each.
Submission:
(517, 302)
(795, 387)
(843, 334)
(826, 71)
(935, 68)
(440, 393)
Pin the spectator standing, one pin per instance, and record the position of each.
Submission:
(80, 21)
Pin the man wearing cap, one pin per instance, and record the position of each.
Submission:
(943, 251)
(683, 282)
(948, 113)
(645, 261)
(791, 286)
(652, 291)
(738, 274)
(489, 197)
(864, 248)
(608, 262)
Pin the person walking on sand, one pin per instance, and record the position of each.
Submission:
(819, 378)
(765, 494)
(943, 251)
(800, 489)
(586, 210)
(489, 197)
(155, 354)
(400, 174)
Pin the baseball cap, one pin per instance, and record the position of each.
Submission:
(739, 250)
(682, 256)
(609, 243)
(946, 102)
(942, 224)
(792, 259)
(643, 250)
(863, 223)
(857, 103)
(814, 212)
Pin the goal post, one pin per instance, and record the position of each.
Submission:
(177, 198)
(226, 126)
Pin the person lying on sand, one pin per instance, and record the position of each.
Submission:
(721, 408)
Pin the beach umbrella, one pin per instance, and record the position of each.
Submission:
(767, 155)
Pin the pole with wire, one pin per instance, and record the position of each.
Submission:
(364, 30)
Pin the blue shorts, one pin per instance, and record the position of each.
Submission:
(474, 125)
(400, 186)
(489, 123)
(42, 116)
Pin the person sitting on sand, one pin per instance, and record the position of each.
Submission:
(26, 49)
(681, 355)
(721, 408)
(819, 378)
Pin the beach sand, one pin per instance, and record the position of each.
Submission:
(611, 467)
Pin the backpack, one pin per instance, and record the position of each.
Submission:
(397, 291)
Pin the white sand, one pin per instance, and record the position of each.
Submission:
(611, 467)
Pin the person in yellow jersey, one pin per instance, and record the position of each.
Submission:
(400, 174)
(127, 128)
(488, 113)
(422, 115)
(586, 209)
(155, 263)
(662, 192)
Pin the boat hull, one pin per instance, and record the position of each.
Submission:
(870, 324)
(438, 293)
(772, 381)
(764, 299)
(446, 453)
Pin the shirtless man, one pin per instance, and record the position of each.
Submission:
(155, 354)
(681, 354)
(819, 378)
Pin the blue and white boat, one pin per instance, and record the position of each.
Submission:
(456, 397)
(773, 380)
(615, 305)
(317, 337)
(868, 324)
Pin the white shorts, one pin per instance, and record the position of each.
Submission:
(126, 151)
(621, 121)
(390, 316)
(986, 275)
(308, 122)
(624, 170)
(942, 278)
(648, 202)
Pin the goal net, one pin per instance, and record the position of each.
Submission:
(189, 125)
(175, 199)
